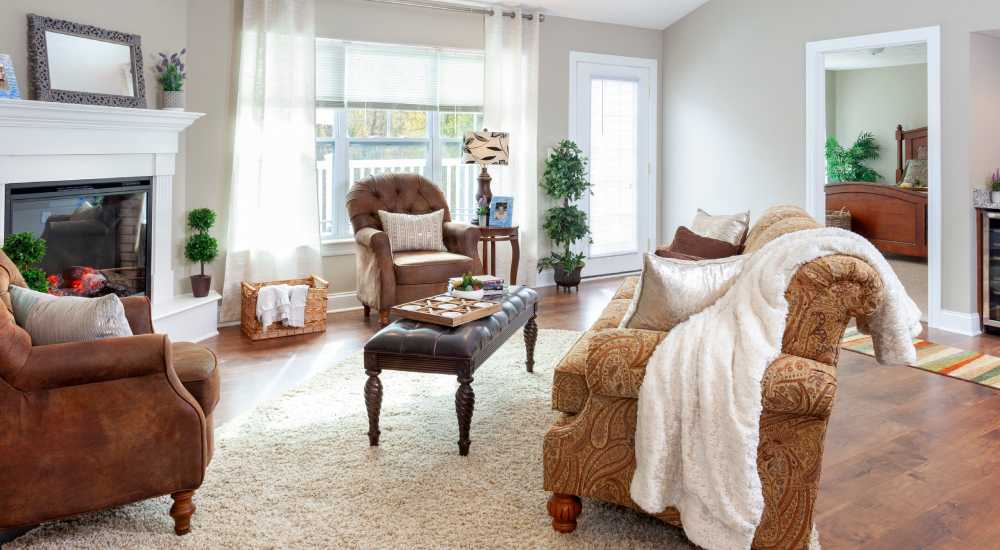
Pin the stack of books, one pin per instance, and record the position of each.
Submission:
(492, 286)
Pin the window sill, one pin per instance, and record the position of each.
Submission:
(337, 247)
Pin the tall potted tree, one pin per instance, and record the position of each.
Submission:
(201, 247)
(565, 180)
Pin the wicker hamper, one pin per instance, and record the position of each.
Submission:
(839, 218)
(315, 309)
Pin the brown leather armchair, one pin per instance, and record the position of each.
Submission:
(90, 425)
(386, 278)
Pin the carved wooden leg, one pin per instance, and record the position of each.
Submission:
(383, 317)
(564, 510)
(530, 336)
(465, 402)
(368, 311)
(181, 511)
(373, 401)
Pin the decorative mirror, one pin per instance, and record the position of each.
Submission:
(75, 63)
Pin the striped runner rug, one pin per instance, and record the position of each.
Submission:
(971, 366)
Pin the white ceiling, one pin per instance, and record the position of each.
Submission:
(912, 54)
(648, 14)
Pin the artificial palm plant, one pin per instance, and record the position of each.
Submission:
(848, 164)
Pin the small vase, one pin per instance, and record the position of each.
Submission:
(200, 285)
(172, 101)
(995, 197)
(483, 220)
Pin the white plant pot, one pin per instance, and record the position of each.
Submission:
(172, 101)
(483, 221)
(469, 295)
(995, 197)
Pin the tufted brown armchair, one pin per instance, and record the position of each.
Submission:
(590, 451)
(387, 278)
(91, 425)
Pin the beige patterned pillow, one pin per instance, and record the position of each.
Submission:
(54, 320)
(730, 228)
(670, 290)
(414, 231)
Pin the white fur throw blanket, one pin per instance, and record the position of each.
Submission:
(700, 402)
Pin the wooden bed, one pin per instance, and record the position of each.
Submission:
(892, 218)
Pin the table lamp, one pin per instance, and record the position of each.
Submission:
(485, 148)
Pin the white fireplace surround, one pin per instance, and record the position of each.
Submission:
(42, 141)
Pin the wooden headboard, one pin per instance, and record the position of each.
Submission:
(910, 144)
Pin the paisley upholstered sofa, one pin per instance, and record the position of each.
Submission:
(589, 451)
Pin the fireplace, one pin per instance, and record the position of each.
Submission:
(96, 233)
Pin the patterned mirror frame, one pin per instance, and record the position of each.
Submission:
(38, 60)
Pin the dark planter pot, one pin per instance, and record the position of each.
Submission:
(200, 285)
(567, 279)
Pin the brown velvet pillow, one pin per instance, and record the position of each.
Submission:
(689, 245)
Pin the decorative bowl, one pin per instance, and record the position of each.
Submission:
(468, 294)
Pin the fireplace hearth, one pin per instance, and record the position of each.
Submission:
(95, 231)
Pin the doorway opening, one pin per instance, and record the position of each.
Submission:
(873, 149)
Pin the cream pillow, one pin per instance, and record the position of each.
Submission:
(670, 291)
(414, 231)
(730, 228)
(54, 320)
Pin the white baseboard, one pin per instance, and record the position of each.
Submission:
(547, 277)
(342, 301)
(958, 322)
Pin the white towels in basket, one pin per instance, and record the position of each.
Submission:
(282, 303)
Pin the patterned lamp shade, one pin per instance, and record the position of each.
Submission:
(485, 147)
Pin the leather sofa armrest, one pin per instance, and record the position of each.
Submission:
(376, 273)
(463, 238)
(799, 386)
(139, 314)
(616, 360)
(76, 363)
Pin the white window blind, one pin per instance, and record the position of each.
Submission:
(386, 76)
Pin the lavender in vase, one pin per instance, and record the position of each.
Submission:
(171, 75)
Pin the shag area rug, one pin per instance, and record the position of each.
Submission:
(971, 366)
(298, 472)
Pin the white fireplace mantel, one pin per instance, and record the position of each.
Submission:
(42, 141)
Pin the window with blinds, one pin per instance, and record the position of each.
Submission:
(393, 108)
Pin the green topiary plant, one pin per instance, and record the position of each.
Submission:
(848, 164)
(201, 247)
(26, 250)
(565, 180)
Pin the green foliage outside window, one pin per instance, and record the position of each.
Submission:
(27, 250)
(565, 180)
(848, 164)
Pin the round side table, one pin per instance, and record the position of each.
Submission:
(489, 237)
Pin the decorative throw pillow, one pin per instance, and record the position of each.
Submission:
(730, 228)
(414, 231)
(689, 245)
(670, 291)
(916, 173)
(54, 320)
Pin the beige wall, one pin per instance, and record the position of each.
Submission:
(163, 28)
(734, 108)
(984, 108)
(876, 100)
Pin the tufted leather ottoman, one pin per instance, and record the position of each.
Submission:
(413, 346)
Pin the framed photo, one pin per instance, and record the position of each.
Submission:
(501, 211)
(8, 80)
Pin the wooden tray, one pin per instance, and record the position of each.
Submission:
(445, 310)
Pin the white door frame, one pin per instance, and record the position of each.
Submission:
(816, 137)
(575, 59)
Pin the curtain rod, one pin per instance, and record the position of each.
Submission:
(444, 6)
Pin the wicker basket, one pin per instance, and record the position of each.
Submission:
(315, 309)
(839, 218)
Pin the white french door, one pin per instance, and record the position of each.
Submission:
(613, 119)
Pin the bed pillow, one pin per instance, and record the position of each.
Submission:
(688, 245)
(670, 291)
(730, 228)
(414, 231)
(57, 319)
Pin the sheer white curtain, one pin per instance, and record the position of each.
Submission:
(273, 208)
(511, 105)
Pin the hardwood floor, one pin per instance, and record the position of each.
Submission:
(911, 457)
